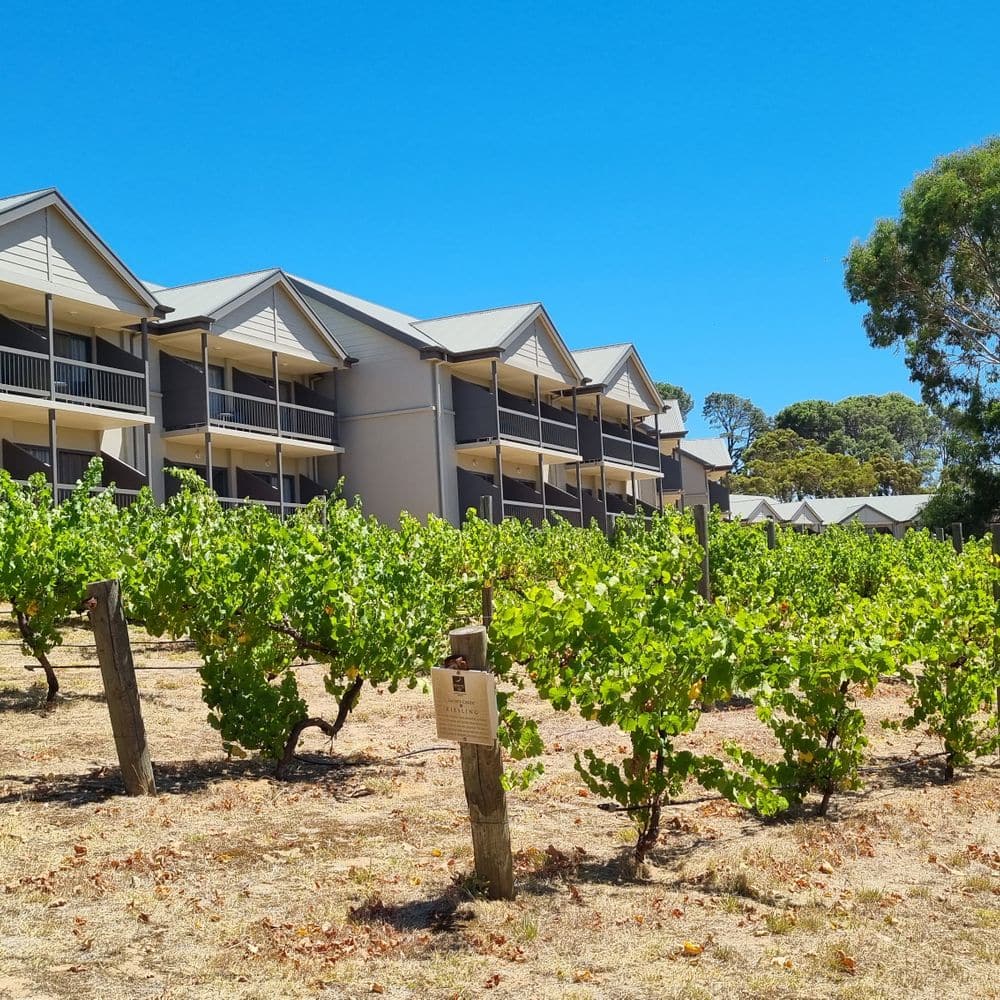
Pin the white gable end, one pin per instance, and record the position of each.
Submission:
(44, 251)
(274, 321)
(629, 388)
(534, 351)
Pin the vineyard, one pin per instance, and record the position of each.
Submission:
(828, 687)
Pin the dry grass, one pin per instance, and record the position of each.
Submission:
(353, 879)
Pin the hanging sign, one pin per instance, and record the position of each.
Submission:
(465, 705)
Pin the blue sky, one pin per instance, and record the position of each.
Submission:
(684, 176)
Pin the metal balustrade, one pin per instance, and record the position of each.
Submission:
(617, 449)
(252, 413)
(535, 512)
(27, 372)
(520, 426)
(306, 422)
(272, 506)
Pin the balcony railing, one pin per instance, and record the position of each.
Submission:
(27, 373)
(230, 503)
(479, 415)
(122, 498)
(252, 413)
(527, 427)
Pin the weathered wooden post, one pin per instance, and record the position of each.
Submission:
(956, 536)
(701, 526)
(772, 534)
(482, 773)
(114, 653)
(939, 532)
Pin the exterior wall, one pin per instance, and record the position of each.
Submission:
(694, 482)
(44, 251)
(386, 409)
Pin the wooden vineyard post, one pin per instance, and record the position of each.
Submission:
(956, 536)
(772, 535)
(701, 526)
(114, 653)
(940, 534)
(482, 773)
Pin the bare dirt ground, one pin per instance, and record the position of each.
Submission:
(352, 879)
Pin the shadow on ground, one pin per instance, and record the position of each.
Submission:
(183, 778)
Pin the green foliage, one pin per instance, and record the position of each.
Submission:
(49, 553)
(612, 629)
(738, 420)
(685, 400)
(782, 464)
(929, 280)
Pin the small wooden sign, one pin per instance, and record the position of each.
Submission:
(465, 705)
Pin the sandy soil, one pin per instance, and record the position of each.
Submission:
(351, 879)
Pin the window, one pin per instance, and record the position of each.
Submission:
(72, 465)
(220, 478)
(287, 484)
(216, 376)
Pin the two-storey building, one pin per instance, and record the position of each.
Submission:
(245, 385)
(73, 349)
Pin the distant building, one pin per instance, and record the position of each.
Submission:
(892, 515)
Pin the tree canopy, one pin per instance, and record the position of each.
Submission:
(931, 281)
(783, 464)
(738, 419)
(685, 400)
(888, 426)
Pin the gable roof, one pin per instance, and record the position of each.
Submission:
(671, 419)
(455, 335)
(711, 452)
(395, 324)
(19, 205)
(604, 365)
(203, 303)
(746, 506)
(475, 331)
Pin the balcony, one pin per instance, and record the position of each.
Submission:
(607, 442)
(671, 468)
(116, 382)
(253, 412)
(520, 500)
(481, 417)
(718, 496)
(121, 479)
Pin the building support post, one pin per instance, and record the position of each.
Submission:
(538, 409)
(279, 458)
(503, 513)
(541, 486)
(495, 389)
(147, 430)
(208, 412)
(659, 482)
(50, 333)
(53, 456)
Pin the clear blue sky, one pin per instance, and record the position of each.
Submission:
(684, 176)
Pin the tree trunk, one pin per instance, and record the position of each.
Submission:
(331, 729)
(30, 640)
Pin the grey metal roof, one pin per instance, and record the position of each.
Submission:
(212, 299)
(712, 452)
(207, 298)
(599, 363)
(477, 330)
(899, 509)
(391, 321)
(671, 419)
(14, 200)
